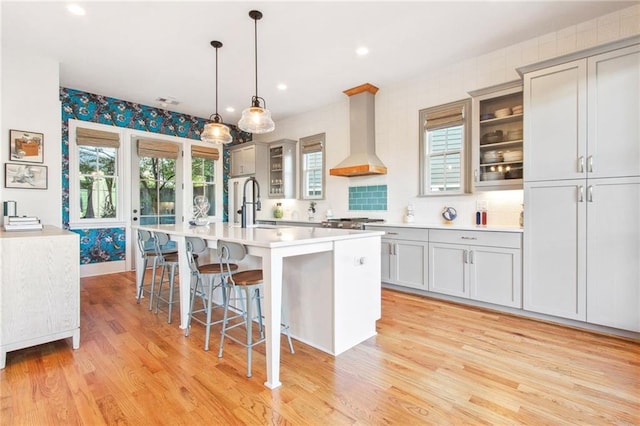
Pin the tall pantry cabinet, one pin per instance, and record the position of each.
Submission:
(582, 187)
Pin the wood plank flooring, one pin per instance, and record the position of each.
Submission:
(432, 362)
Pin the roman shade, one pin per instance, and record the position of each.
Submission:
(205, 152)
(447, 116)
(157, 149)
(311, 144)
(91, 137)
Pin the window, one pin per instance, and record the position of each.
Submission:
(95, 186)
(203, 175)
(444, 142)
(312, 167)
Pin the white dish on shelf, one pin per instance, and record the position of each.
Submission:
(489, 157)
(503, 112)
(511, 156)
(492, 176)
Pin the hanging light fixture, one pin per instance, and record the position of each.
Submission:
(215, 131)
(256, 118)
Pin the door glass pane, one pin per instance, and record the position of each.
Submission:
(157, 190)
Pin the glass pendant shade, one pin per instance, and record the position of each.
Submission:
(215, 132)
(256, 119)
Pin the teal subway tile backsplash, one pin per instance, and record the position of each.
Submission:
(373, 197)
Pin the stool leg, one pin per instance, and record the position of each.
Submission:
(249, 325)
(141, 285)
(224, 320)
(172, 278)
(153, 281)
(259, 305)
(193, 299)
(160, 287)
(209, 303)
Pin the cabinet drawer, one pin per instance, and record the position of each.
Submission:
(476, 238)
(400, 233)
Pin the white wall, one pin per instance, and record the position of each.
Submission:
(397, 124)
(31, 102)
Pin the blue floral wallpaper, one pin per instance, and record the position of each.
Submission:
(104, 245)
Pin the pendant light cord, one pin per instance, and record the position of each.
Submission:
(255, 50)
(216, 81)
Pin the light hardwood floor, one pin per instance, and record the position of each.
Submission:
(432, 362)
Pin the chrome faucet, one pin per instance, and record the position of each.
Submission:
(255, 202)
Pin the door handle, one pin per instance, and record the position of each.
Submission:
(580, 194)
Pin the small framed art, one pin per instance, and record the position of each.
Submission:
(25, 176)
(27, 147)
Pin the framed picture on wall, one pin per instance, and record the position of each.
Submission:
(25, 176)
(27, 147)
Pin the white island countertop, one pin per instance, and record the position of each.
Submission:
(271, 236)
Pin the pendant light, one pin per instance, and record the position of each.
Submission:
(256, 118)
(215, 131)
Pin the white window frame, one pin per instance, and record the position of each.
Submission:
(425, 188)
(75, 219)
(310, 140)
(217, 182)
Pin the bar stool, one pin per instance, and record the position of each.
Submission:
(165, 260)
(147, 248)
(203, 285)
(249, 282)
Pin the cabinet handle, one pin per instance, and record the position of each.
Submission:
(465, 256)
(475, 175)
(580, 194)
(581, 164)
(471, 256)
(392, 233)
(469, 238)
(590, 164)
(590, 194)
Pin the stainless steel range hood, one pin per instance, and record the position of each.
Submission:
(362, 160)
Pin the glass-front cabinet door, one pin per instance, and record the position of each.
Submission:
(497, 137)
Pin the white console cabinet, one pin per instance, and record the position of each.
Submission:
(40, 288)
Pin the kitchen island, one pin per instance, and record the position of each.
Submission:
(331, 279)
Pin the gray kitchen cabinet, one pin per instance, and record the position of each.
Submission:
(282, 169)
(479, 265)
(404, 256)
(248, 159)
(582, 187)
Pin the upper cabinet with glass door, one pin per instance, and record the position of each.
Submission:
(282, 169)
(497, 141)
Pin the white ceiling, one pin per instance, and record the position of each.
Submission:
(139, 51)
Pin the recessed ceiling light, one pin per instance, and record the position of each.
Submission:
(282, 86)
(230, 109)
(362, 50)
(76, 9)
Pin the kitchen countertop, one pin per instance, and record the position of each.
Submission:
(493, 228)
(263, 235)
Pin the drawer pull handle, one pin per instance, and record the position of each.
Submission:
(469, 238)
(392, 233)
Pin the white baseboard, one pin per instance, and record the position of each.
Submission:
(102, 268)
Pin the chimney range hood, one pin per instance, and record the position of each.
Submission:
(362, 161)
